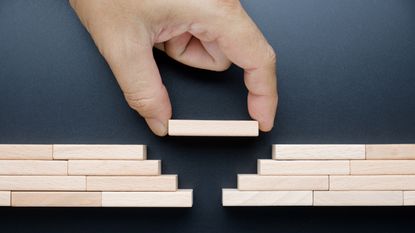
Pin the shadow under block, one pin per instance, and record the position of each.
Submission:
(25, 151)
(278, 183)
(358, 198)
(56, 199)
(371, 182)
(276, 167)
(114, 167)
(33, 167)
(318, 152)
(180, 198)
(5, 198)
(382, 167)
(96, 152)
(223, 128)
(163, 183)
(43, 183)
(409, 198)
(233, 197)
(390, 151)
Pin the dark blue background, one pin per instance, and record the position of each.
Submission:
(346, 75)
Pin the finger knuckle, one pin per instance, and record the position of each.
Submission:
(144, 104)
(271, 55)
(228, 5)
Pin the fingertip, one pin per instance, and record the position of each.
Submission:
(263, 109)
(158, 127)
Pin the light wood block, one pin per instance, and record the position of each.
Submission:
(390, 151)
(33, 167)
(276, 167)
(233, 197)
(318, 152)
(358, 198)
(5, 198)
(213, 128)
(43, 183)
(56, 199)
(180, 198)
(96, 152)
(382, 167)
(114, 167)
(25, 151)
(409, 198)
(368, 183)
(164, 183)
(277, 183)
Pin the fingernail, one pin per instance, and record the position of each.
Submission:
(157, 126)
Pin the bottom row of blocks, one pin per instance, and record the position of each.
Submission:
(234, 197)
(180, 198)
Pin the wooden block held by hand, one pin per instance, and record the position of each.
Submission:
(233, 197)
(5, 198)
(43, 183)
(409, 197)
(390, 151)
(25, 151)
(318, 152)
(286, 183)
(56, 199)
(223, 128)
(114, 167)
(382, 167)
(373, 182)
(33, 167)
(278, 167)
(358, 198)
(95, 152)
(163, 183)
(180, 198)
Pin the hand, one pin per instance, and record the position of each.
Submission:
(208, 34)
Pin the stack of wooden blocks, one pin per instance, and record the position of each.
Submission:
(86, 175)
(330, 175)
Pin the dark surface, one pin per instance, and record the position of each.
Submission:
(346, 75)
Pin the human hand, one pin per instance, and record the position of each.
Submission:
(209, 34)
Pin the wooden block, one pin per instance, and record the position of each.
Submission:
(382, 167)
(33, 167)
(180, 198)
(56, 199)
(358, 198)
(368, 183)
(5, 198)
(318, 152)
(114, 167)
(25, 151)
(409, 198)
(43, 183)
(95, 152)
(390, 151)
(289, 183)
(233, 197)
(213, 128)
(164, 183)
(275, 167)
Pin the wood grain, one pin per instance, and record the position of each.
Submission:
(213, 128)
(409, 198)
(114, 167)
(233, 197)
(181, 198)
(33, 167)
(56, 199)
(382, 167)
(390, 151)
(5, 198)
(25, 151)
(288, 183)
(43, 183)
(277, 167)
(368, 183)
(96, 152)
(358, 198)
(163, 183)
(317, 152)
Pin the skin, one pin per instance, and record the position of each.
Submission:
(208, 34)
